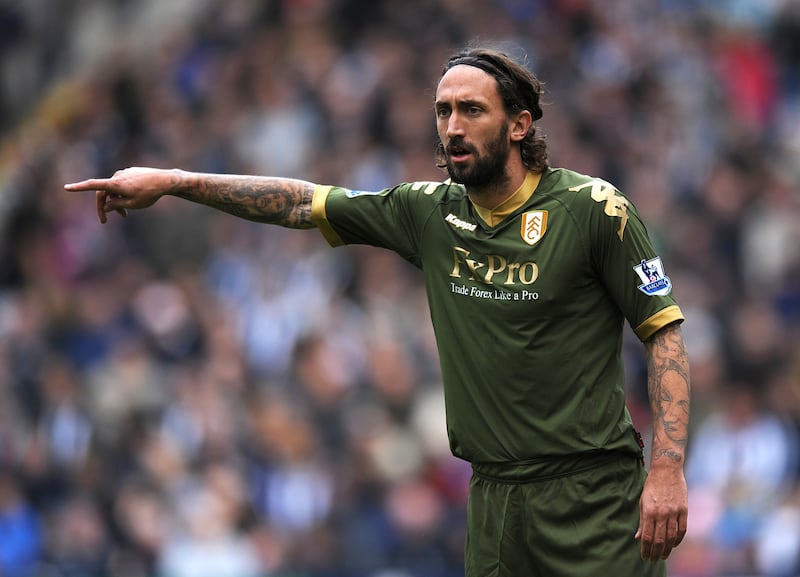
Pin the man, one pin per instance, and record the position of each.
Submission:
(530, 272)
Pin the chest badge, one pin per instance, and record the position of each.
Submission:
(534, 225)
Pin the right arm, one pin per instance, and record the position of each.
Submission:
(282, 201)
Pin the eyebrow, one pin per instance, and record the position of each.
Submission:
(462, 102)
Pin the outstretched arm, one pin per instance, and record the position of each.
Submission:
(282, 201)
(664, 501)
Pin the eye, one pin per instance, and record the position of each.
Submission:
(474, 110)
(442, 112)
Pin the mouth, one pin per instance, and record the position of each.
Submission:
(458, 152)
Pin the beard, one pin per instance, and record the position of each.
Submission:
(486, 169)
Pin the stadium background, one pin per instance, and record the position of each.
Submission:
(187, 395)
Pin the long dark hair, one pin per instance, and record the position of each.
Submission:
(520, 90)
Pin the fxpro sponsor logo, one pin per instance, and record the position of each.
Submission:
(654, 281)
(458, 223)
(492, 269)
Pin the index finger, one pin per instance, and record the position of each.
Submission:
(89, 184)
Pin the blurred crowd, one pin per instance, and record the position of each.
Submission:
(185, 394)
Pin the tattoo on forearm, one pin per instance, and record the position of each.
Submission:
(669, 389)
(281, 201)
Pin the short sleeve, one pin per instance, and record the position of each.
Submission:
(632, 272)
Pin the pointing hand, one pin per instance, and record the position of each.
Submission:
(132, 188)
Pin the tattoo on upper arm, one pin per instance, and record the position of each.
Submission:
(281, 201)
(669, 388)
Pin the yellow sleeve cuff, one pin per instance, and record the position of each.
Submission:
(320, 218)
(658, 321)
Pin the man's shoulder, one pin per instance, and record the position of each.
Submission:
(566, 180)
(578, 190)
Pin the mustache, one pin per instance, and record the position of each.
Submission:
(458, 144)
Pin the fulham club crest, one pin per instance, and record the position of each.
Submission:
(534, 225)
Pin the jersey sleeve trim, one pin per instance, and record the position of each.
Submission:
(658, 321)
(320, 218)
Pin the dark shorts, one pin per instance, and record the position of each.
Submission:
(571, 518)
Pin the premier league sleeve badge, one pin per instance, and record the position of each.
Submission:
(654, 281)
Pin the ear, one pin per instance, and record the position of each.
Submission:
(520, 124)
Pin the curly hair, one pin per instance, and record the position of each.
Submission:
(519, 89)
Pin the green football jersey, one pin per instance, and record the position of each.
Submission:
(528, 303)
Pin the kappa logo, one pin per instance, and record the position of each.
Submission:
(458, 223)
(654, 281)
(534, 225)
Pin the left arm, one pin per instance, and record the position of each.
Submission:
(664, 500)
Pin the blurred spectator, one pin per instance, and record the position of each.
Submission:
(21, 539)
(65, 427)
(78, 540)
(743, 463)
(777, 543)
(208, 542)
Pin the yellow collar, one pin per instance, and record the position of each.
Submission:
(495, 216)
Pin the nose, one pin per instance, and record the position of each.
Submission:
(454, 126)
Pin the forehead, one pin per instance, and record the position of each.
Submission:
(464, 82)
